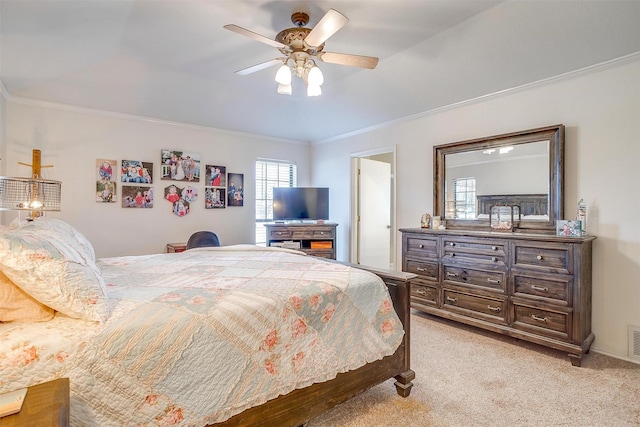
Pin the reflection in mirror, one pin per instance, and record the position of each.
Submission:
(521, 168)
(502, 175)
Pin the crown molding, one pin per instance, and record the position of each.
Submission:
(133, 117)
(565, 76)
(84, 110)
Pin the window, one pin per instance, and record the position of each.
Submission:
(270, 174)
(465, 198)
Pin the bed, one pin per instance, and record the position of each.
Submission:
(532, 206)
(238, 335)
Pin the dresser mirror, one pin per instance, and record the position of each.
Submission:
(521, 168)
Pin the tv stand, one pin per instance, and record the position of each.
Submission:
(312, 238)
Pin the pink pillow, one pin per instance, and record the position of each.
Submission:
(17, 306)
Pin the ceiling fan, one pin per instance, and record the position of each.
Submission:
(301, 47)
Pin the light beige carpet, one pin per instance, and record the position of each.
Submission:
(469, 377)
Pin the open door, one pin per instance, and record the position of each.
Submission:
(374, 213)
(373, 193)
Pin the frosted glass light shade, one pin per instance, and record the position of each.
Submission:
(284, 89)
(315, 77)
(313, 90)
(283, 76)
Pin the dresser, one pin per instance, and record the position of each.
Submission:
(312, 238)
(528, 286)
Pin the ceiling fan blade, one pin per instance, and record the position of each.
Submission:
(369, 62)
(254, 36)
(331, 22)
(260, 66)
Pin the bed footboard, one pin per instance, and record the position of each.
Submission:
(301, 405)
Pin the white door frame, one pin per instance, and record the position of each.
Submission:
(353, 253)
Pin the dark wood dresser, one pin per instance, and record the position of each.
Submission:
(528, 286)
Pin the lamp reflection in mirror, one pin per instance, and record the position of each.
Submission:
(30, 194)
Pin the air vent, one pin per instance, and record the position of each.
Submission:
(634, 343)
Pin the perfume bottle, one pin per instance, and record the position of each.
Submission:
(582, 216)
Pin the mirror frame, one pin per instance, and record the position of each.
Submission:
(554, 134)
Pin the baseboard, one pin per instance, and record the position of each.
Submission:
(615, 356)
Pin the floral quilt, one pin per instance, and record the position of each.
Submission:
(197, 337)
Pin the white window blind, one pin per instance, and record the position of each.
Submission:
(270, 174)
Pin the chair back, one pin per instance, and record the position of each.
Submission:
(201, 239)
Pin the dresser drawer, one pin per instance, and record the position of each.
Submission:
(486, 308)
(421, 247)
(493, 280)
(556, 259)
(554, 288)
(424, 292)
(422, 268)
(278, 233)
(490, 252)
(552, 323)
(320, 233)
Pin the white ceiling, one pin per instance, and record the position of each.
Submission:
(172, 60)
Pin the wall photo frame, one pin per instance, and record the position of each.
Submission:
(134, 196)
(135, 171)
(180, 165)
(216, 176)
(235, 190)
(214, 198)
(106, 181)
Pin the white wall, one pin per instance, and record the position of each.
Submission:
(72, 139)
(601, 111)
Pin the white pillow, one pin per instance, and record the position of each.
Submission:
(50, 266)
(65, 231)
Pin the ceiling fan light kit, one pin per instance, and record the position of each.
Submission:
(284, 89)
(283, 76)
(302, 47)
(314, 90)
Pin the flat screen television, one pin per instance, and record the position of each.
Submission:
(300, 203)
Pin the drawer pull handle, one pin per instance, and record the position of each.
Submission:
(451, 299)
(539, 288)
(452, 244)
(539, 257)
(496, 309)
(322, 233)
(452, 255)
(450, 274)
(421, 292)
(495, 248)
(538, 318)
(421, 269)
(279, 233)
(494, 281)
(494, 259)
(421, 246)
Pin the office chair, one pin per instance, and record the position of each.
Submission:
(201, 239)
